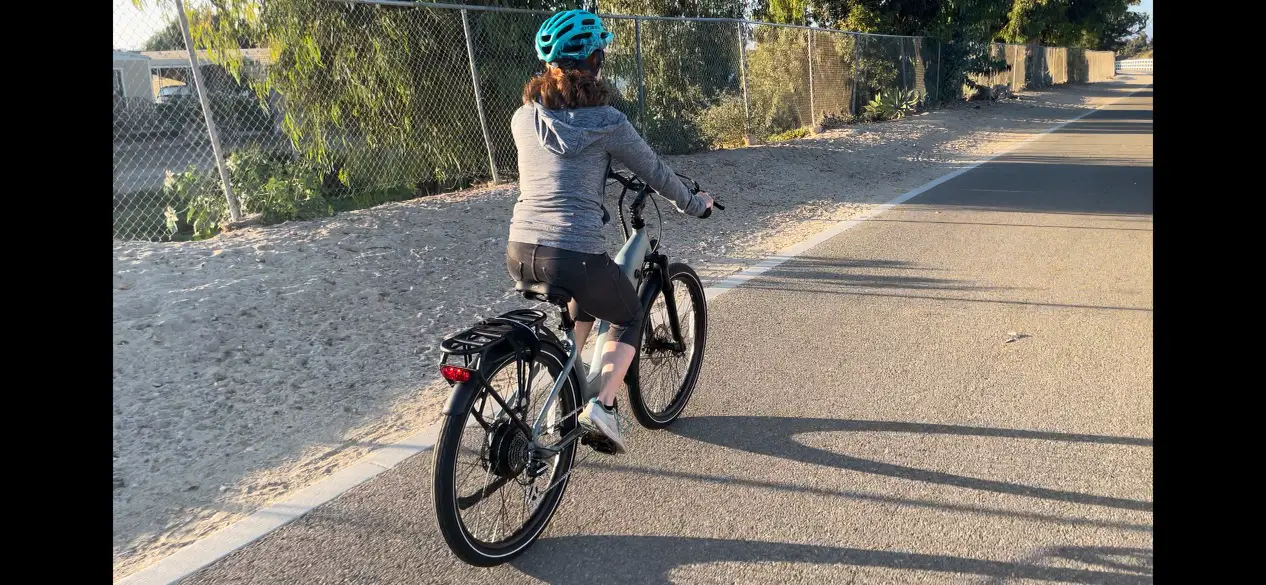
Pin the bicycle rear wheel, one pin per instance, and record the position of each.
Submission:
(492, 499)
(664, 372)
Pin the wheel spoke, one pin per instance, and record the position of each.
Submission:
(467, 502)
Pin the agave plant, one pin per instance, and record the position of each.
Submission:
(893, 105)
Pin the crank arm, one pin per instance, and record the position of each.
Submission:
(545, 452)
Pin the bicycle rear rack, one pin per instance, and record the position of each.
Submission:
(519, 327)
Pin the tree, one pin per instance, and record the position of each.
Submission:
(1086, 24)
(785, 11)
(382, 92)
(687, 67)
(1119, 27)
(168, 38)
(1135, 46)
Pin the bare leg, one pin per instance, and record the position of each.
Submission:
(616, 358)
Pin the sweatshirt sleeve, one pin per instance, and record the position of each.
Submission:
(626, 146)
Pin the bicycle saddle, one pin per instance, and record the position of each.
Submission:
(544, 292)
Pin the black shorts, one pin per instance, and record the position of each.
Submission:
(600, 290)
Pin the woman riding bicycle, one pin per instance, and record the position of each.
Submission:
(566, 135)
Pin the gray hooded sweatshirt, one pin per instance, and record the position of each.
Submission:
(563, 157)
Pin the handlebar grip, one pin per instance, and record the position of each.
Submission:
(715, 205)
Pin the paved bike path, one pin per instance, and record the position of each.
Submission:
(956, 391)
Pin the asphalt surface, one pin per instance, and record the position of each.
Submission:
(956, 391)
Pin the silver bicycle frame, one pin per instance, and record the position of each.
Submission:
(629, 259)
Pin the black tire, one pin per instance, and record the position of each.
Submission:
(445, 482)
(658, 397)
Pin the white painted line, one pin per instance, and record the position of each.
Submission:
(191, 558)
(245, 531)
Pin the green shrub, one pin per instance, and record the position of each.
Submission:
(892, 105)
(276, 186)
(790, 135)
(781, 115)
(201, 200)
(837, 120)
(722, 124)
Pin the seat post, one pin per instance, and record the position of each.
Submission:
(564, 315)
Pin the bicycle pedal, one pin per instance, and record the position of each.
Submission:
(598, 443)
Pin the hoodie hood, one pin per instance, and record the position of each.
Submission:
(567, 132)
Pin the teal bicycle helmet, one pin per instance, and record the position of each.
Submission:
(571, 34)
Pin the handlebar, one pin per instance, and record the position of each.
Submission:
(641, 188)
(639, 200)
(693, 185)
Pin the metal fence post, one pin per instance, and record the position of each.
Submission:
(901, 48)
(1014, 60)
(938, 72)
(813, 111)
(479, 99)
(742, 46)
(857, 61)
(641, 75)
(235, 210)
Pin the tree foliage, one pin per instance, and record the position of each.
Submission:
(169, 37)
(1139, 47)
(1087, 24)
(688, 67)
(383, 94)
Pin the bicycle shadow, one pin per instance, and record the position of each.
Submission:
(775, 437)
(651, 559)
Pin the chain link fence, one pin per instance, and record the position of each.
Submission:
(348, 104)
(155, 127)
(1033, 66)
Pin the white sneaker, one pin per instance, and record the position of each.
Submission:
(604, 420)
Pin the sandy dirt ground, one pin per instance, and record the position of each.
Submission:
(253, 364)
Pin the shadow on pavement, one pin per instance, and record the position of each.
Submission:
(818, 275)
(650, 559)
(1095, 185)
(1112, 127)
(1120, 121)
(775, 437)
(868, 497)
(828, 269)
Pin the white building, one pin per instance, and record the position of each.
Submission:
(132, 76)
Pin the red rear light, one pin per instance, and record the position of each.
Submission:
(455, 374)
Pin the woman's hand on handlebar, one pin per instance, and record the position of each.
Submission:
(710, 202)
(707, 200)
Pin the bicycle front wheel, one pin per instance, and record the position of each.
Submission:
(666, 370)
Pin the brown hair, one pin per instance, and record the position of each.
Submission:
(568, 88)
